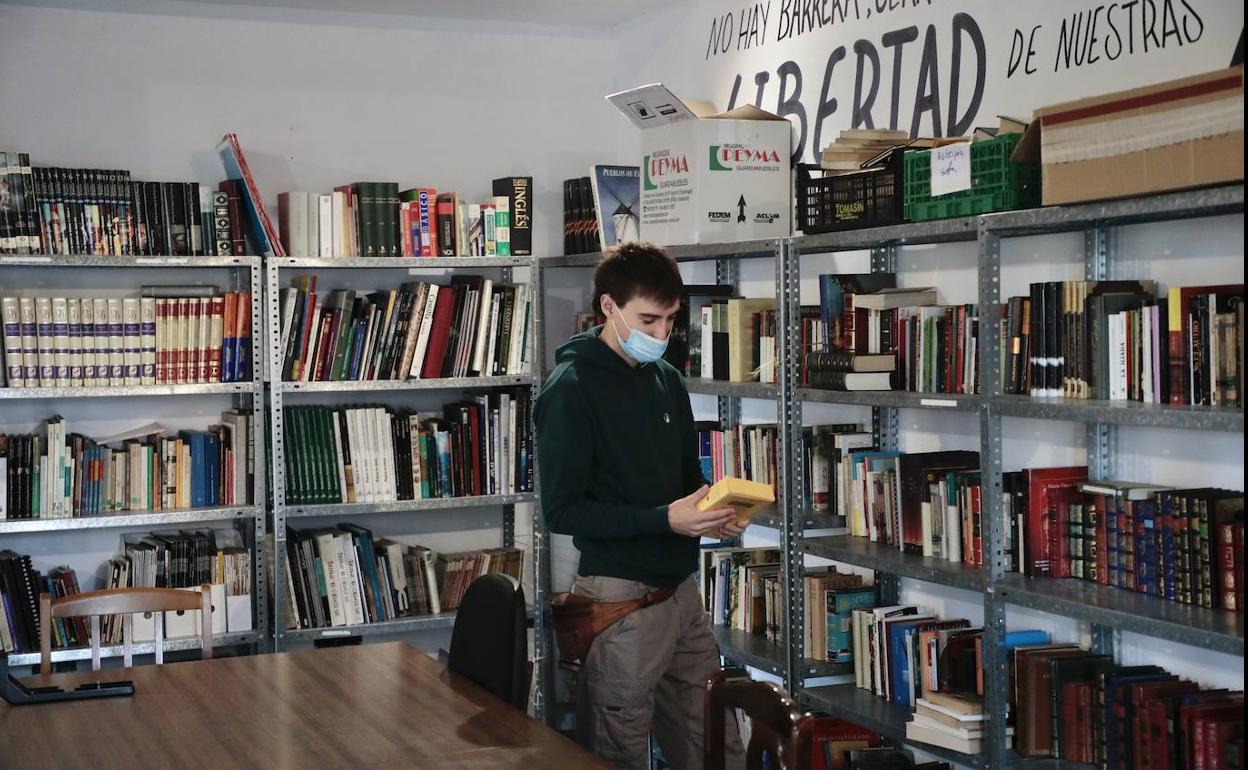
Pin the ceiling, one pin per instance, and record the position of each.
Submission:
(594, 13)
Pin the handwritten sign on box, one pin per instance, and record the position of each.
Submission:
(951, 168)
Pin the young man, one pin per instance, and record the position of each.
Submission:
(619, 471)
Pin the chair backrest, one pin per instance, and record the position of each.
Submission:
(124, 602)
(777, 728)
(489, 643)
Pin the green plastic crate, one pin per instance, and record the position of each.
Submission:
(997, 184)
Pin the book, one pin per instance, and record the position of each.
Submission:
(236, 168)
(745, 497)
(617, 198)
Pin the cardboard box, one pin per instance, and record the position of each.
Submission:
(1182, 133)
(709, 177)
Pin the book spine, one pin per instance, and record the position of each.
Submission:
(147, 340)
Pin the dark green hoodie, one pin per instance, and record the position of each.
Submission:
(615, 445)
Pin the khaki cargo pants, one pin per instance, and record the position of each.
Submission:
(647, 673)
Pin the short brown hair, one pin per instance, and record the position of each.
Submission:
(637, 270)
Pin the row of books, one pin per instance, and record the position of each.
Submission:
(60, 474)
(104, 212)
(744, 452)
(376, 219)
(1125, 341)
(478, 446)
(864, 320)
(468, 327)
(344, 576)
(1081, 707)
(1183, 545)
(175, 559)
(741, 589)
(167, 335)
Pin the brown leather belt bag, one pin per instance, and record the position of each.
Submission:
(579, 619)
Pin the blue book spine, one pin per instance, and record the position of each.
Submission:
(840, 620)
(444, 463)
(1144, 573)
(898, 641)
(1027, 638)
(198, 480)
(212, 469)
(1113, 545)
(242, 349)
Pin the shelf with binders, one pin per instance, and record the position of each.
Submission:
(126, 519)
(1208, 628)
(861, 552)
(139, 648)
(758, 652)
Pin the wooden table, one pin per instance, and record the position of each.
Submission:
(374, 706)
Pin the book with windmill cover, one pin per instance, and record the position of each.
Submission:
(617, 195)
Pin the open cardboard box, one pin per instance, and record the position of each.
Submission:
(709, 177)
(1182, 133)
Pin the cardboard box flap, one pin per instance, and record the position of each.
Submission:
(700, 108)
(745, 112)
(1028, 148)
(651, 105)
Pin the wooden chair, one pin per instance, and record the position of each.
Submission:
(777, 727)
(123, 601)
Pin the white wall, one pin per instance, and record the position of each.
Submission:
(317, 99)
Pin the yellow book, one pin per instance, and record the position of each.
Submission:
(747, 498)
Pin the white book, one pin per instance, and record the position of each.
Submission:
(327, 549)
(89, 342)
(216, 337)
(147, 340)
(507, 418)
(77, 371)
(99, 325)
(28, 324)
(422, 340)
(132, 341)
(299, 223)
(362, 457)
(706, 363)
(203, 339)
(491, 348)
(354, 576)
(325, 226)
(60, 340)
(290, 298)
(312, 223)
(46, 343)
(116, 346)
(483, 327)
(339, 465)
(517, 331)
(428, 558)
(385, 452)
(338, 218)
(14, 368)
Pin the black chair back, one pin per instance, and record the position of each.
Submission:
(489, 644)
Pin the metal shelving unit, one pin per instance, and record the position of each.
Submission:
(279, 391)
(760, 653)
(1107, 610)
(244, 275)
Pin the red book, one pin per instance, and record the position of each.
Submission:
(1050, 491)
(319, 367)
(238, 241)
(1218, 733)
(1140, 696)
(212, 345)
(1238, 529)
(1192, 715)
(1180, 331)
(1224, 545)
(162, 352)
(439, 333)
(831, 740)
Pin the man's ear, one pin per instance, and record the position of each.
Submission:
(604, 306)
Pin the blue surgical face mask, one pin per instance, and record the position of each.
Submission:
(639, 346)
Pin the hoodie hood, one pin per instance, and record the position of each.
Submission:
(588, 347)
